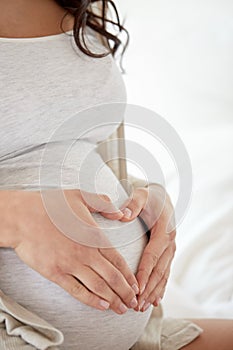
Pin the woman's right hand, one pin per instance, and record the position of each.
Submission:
(98, 277)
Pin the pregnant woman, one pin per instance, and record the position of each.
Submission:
(49, 73)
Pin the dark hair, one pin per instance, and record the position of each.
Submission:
(86, 15)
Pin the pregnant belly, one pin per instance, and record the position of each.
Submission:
(83, 327)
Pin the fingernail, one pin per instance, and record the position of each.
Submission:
(127, 213)
(134, 302)
(123, 308)
(158, 301)
(142, 289)
(141, 304)
(104, 304)
(135, 288)
(146, 306)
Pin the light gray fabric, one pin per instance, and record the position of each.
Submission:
(23, 330)
(33, 106)
(176, 333)
(166, 333)
(151, 337)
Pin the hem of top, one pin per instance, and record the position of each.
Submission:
(38, 38)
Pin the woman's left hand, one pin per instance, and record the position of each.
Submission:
(155, 208)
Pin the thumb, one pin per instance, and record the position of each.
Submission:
(101, 203)
(134, 204)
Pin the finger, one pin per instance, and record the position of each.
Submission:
(98, 286)
(157, 274)
(115, 280)
(131, 211)
(134, 205)
(157, 300)
(117, 260)
(111, 254)
(108, 209)
(150, 257)
(80, 292)
(156, 295)
(117, 215)
(101, 203)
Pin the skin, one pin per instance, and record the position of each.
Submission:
(218, 334)
(22, 19)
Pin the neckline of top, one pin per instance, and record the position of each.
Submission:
(69, 33)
